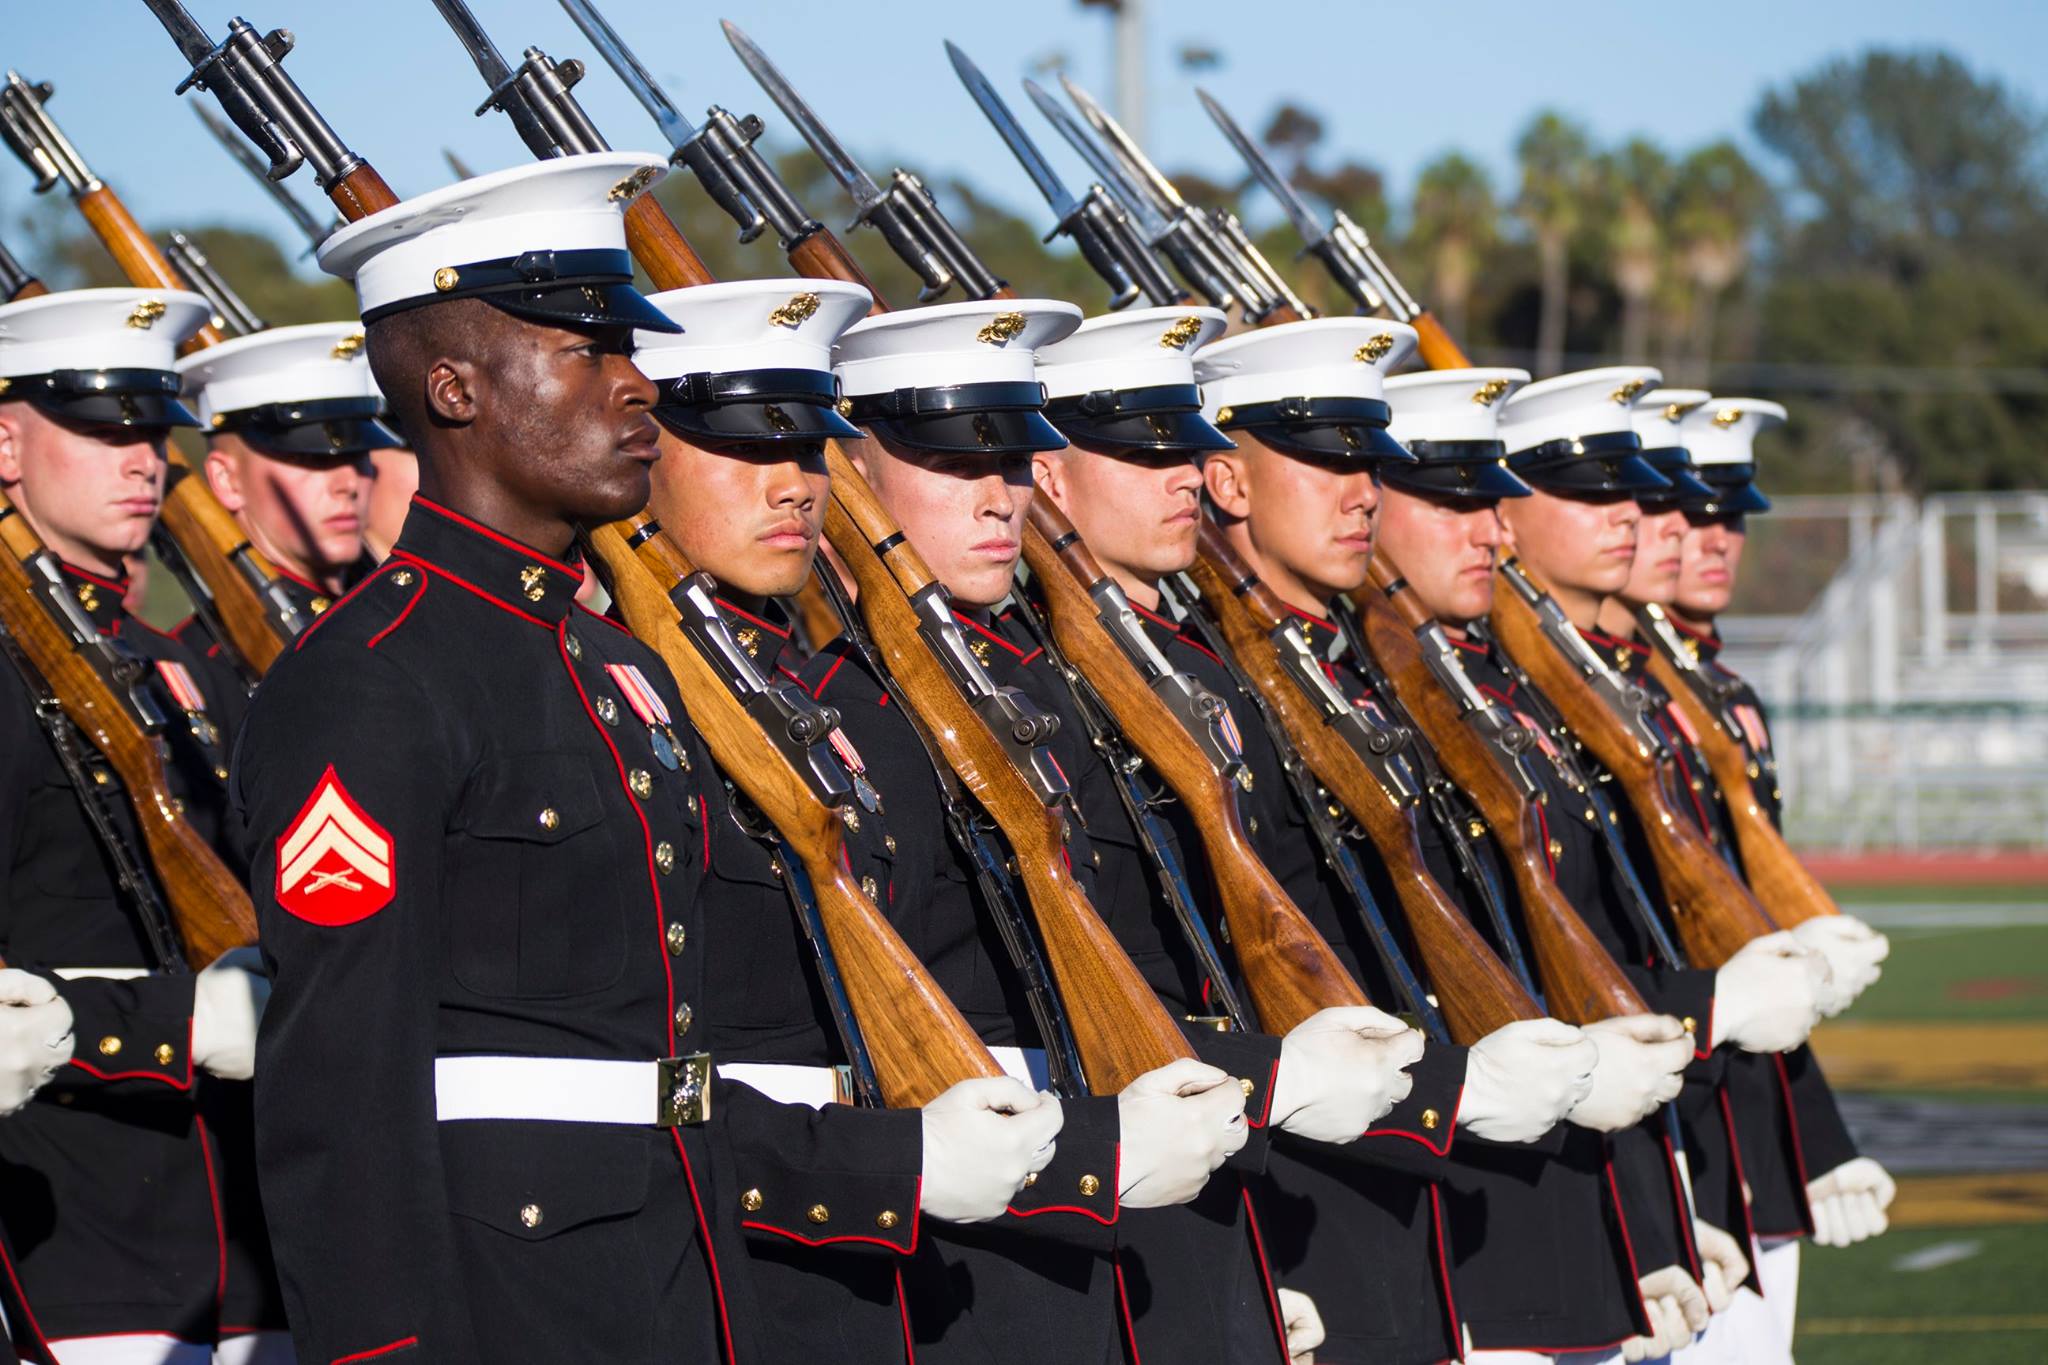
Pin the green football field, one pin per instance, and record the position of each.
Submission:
(1963, 1273)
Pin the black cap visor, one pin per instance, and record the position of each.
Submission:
(1475, 476)
(320, 431)
(145, 399)
(1324, 429)
(1732, 490)
(987, 419)
(1165, 417)
(572, 289)
(1607, 463)
(748, 407)
(1675, 464)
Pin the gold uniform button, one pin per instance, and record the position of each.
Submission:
(1691, 1024)
(530, 1215)
(549, 817)
(607, 710)
(677, 936)
(852, 819)
(751, 1201)
(110, 1046)
(869, 888)
(665, 855)
(1474, 828)
(887, 1219)
(164, 1053)
(641, 781)
(1089, 1185)
(889, 842)
(574, 646)
(321, 604)
(1556, 851)
(1430, 1119)
(818, 1213)
(1245, 1083)
(1030, 1180)
(684, 1014)
(403, 578)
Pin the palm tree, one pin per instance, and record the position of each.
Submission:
(1555, 157)
(1453, 224)
(1636, 186)
(1717, 202)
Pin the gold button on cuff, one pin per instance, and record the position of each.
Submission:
(677, 936)
(607, 710)
(1691, 1024)
(887, 1219)
(1089, 1185)
(684, 1014)
(751, 1201)
(1245, 1082)
(110, 1046)
(530, 1215)
(1030, 1180)
(665, 855)
(641, 781)
(164, 1053)
(1430, 1119)
(549, 817)
(818, 1213)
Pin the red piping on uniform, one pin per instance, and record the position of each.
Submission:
(1806, 1227)
(1450, 1128)
(399, 620)
(1123, 1306)
(916, 1202)
(308, 584)
(1684, 772)
(171, 1081)
(401, 1344)
(1741, 1180)
(784, 671)
(574, 570)
(979, 629)
(1543, 828)
(117, 586)
(704, 814)
(1443, 1267)
(777, 631)
(21, 1297)
(1628, 1245)
(407, 557)
(620, 626)
(1266, 1109)
(1116, 1176)
(903, 1316)
(328, 615)
(220, 1227)
(710, 1252)
(1251, 1222)
(819, 690)
(1192, 643)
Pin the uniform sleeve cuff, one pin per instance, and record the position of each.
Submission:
(1430, 1113)
(138, 1029)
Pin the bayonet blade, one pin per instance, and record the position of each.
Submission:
(1306, 223)
(315, 230)
(1127, 151)
(1014, 137)
(836, 158)
(490, 63)
(628, 69)
(1150, 221)
(184, 30)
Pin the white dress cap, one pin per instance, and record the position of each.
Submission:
(565, 216)
(1658, 412)
(1140, 348)
(1318, 358)
(1724, 431)
(100, 356)
(1450, 405)
(286, 365)
(1572, 406)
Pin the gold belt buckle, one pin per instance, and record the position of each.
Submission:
(683, 1090)
(1219, 1022)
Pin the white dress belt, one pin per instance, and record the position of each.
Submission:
(818, 1086)
(101, 973)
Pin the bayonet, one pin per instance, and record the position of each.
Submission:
(721, 154)
(534, 95)
(316, 232)
(229, 312)
(35, 137)
(905, 213)
(1097, 225)
(1342, 247)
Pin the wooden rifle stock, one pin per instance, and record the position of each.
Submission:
(1475, 990)
(822, 256)
(208, 904)
(1581, 982)
(1290, 971)
(1712, 910)
(1439, 352)
(918, 1039)
(1780, 882)
(33, 289)
(361, 193)
(138, 257)
(1119, 1025)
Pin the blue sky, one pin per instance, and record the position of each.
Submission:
(1395, 84)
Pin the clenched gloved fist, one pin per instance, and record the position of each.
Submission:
(1723, 1267)
(1341, 1069)
(1179, 1122)
(1849, 1203)
(1642, 1065)
(1304, 1326)
(227, 1003)
(1767, 996)
(1677, 1310)
(1853, 950)
(983, 1139)
(35, 1036)
(1523, 1078)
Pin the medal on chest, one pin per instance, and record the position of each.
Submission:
(653, 713)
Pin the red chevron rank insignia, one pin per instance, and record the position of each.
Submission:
(334, 865)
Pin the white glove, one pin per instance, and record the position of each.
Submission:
(982, 1140)
(1523, 1078)
(1849, 1203)
(1767, 996)
(1853, 950)
(35, 1035)
(1723, 1267)
(1179, 1122)
(1340, 1069)
(1642, 1064)
(1303, 1323)
(1677, 1309)
(227, 1001)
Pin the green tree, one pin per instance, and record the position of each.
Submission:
(1635, 182)
(1453, 224)
(1718, 200)
(1556, 163)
